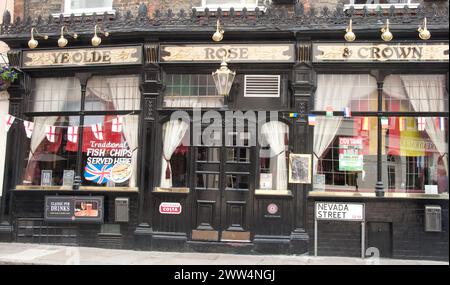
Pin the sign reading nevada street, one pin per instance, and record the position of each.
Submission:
(339, 211)
(82, 57)
(373, 52)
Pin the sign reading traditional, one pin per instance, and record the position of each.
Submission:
(82, 57)
(73, 208)
(235, 52)
(339, 211)
(373, 52)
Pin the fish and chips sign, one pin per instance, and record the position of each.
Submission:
(374, 52)
(334, 211)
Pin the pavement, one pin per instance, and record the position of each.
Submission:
(34, 254)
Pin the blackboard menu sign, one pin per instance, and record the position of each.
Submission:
(74, 209)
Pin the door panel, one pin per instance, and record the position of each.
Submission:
(223, 190)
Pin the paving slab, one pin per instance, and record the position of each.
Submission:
(17, 253)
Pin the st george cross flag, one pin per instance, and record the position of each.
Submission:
(117, 124)
(50, 133)
(421, 124)
(29, 126)
(9, 120)
(97, 131)
(98, 173)
(72, 134)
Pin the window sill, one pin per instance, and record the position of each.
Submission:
(183, 190)
(383, 6)
(262, 192)
(443, 196)
(86, 13)
(227, 8)
(69, 188)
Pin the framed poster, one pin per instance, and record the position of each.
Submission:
(265, 181)
(300, 166)
(46, 177)
(74, 209)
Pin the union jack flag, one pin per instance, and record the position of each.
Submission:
(98, 173)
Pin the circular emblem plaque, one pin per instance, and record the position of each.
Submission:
(272, 208)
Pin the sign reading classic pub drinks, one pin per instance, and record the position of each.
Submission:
(235, 52)
(374, 52)
(82, 57)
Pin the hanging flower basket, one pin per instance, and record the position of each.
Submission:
(7, 76)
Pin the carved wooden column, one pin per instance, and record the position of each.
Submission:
(303, 86)
(14, 136)
(150, 90)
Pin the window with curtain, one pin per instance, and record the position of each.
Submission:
(274, 156)
(105, 134)
(414, 140)
(175, 149)
(191, 90)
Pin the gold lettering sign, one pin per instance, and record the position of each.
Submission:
(380, 52)
(82, 57)
(237, 53)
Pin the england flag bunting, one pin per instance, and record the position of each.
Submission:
(29, 126)
(72, 134)
(97, 131)
(421, 124)
(117, 124)
(50, 133)
(9, 120)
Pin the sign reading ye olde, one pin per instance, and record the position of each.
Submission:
(235, 52)
(82, 57)
(397, 52)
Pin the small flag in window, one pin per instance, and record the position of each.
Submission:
(293, 115)
(402, 124)
(347, 113)
(421, 124)
(9, 120)
(29, 126)
(384, 122)
(365, 124)
(50, 133)
(440, 123)
(117, 124)
(312, 120)
(72, 134)
(97, 130)
(329, 112)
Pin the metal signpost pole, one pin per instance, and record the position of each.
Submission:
(315, 236)
(363, 238)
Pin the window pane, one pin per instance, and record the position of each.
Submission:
(50, 154)
(188, 90)
(55, 95)
(109, 147)
(109, 93)
(337, 91)
(88, 4)
(415, 93)
(345, 153)
(416, 158)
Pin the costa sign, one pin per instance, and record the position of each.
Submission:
(170, 208)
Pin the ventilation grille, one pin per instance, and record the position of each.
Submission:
(433, 219)
(262, 86)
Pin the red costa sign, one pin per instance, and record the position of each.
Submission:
(170, 208)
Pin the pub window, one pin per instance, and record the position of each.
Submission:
(108, 134)
(226, 5)
(414, 140)
(191, 90)
(175, 149)
(373, 4)
(87, 6)
(274, 156)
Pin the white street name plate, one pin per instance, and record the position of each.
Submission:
(339, 211)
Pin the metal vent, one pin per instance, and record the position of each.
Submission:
(262, 86)
(122, 209)
(433, 219)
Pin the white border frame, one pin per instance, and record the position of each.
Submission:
(383, 6)
(226, 7)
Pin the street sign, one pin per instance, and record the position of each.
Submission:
(170, 208)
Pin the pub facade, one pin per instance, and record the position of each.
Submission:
(261, 130)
